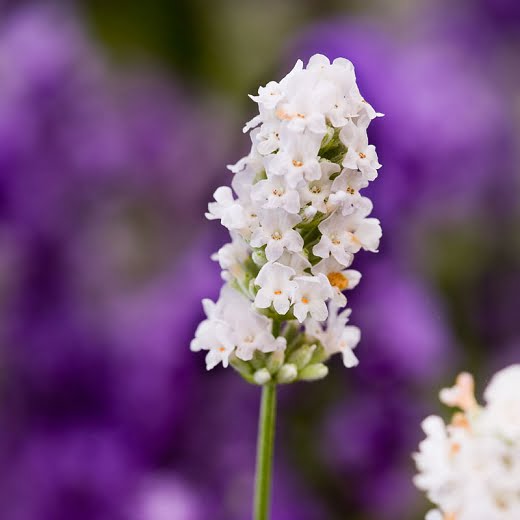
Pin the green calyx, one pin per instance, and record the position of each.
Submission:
(302, 360)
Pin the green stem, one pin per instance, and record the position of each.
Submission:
(264, 454)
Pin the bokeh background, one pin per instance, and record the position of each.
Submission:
(117, 119)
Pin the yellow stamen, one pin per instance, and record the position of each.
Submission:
(338, 280)
(462, 394)
(362, 155)
(283, 115)
(297, 164)
(278, 292)
(305, 300)
(459, 420)
(454, 448)
(354, 239)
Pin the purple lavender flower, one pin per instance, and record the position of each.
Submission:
(100, 182)
(81, 473)
(373, 435)
(412, 341)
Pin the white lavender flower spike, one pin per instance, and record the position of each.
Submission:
(470, 469)
(297, 218)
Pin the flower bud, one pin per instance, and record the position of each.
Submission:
(259, 257)
(302, 356)
(314, 372)
(262, 376)
(287, 373)
(275, 361)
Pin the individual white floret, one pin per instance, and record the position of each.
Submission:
(502, 413)
(297, 160)
(277, 287)
(343, 236)
(310, 297)
(296, 261)
(316, 193)
(226, 209)
(267, 137)
(337, 336)
(277, 234)
(345, 193)
(340, 279)
(231, 257)
(360, 155)
(276, 193)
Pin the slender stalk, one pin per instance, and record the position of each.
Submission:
(264, 454)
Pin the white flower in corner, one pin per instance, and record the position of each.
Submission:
(277, 234)
(276, 287)
(503, 403)
(360, 155)
(310, 297)
(470, 468)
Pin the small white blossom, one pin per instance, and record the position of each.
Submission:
(340, 279)
(346, 193)
(343, 236)
(276, 287)
(277, 234)
(360, 156)
(297, 159)
(503, 403)
(231, 257)
(226, 209)
(296, 261)
(310, 297)
(469, 469)
(267, 138)
(232, 326)
(276, 193)
(315, 193)
(337, 337)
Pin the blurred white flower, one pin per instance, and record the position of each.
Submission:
(470, 469)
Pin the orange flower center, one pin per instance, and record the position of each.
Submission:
(338, 280)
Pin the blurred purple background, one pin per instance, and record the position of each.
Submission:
(116, 123)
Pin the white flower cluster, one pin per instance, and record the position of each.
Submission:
(471, 468)
(296, 219)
